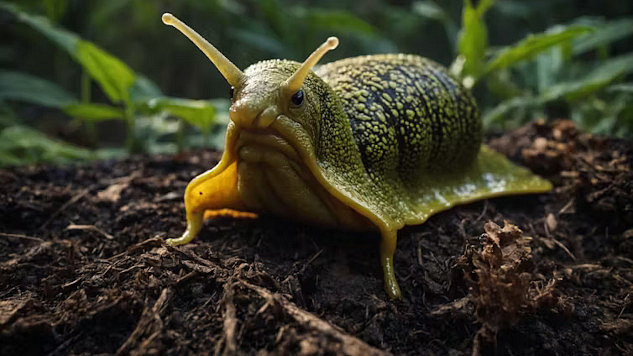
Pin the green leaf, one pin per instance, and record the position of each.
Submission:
(114, 76)
(7, 116)
(25, 87)
(199, 113)
(483, 6)
(517, 8)
(598, 78)
(273, 11)
(534, 44)
(20, 145)
(93, 112)
(63, 38)
(500, 112)
(473, 38)
(430, 10)
(144, 89)
(221, 106)
(549, 65)
(335, 20)
(622, 88)
(604, 34)
(262, 39)
(55, 8)
(503, 86)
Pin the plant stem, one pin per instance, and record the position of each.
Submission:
(86, 93)
(131, 141)
(180, 135)
(85, 87)
(206, 135)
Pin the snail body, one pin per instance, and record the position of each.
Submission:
(367, 143)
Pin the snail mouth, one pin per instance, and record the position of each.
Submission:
(270, 170)
(273, 178)
(269, 142)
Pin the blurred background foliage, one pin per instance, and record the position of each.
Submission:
(94, 79)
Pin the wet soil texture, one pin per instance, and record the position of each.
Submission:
(84, 268)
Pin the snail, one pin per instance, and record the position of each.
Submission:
(374, 142)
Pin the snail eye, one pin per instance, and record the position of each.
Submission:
(297, 98)
(232, 92)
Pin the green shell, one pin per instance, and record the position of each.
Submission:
(406, 114)
(417, 135)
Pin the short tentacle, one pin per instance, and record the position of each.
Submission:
(295, 82)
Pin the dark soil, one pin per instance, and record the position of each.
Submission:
(84, 269)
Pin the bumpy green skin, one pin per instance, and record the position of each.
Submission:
(401, 140)
(406, 114)
(385, 123)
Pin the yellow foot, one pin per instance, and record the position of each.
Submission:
(387, 248)
(194, 224)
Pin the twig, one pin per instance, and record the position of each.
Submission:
(64, 345)
(72, 201)
(484, 337)
(20, 236)
(303, 268)
(70, 284)
(459, 306)
(483, 212)
(230, 321)
(314, 257)
(186, 277)
(624, 306)
(192, 256)
(567, 206)
(90, 227)
(150, 321)
(349, 345)
(154, 241)
(561, 245)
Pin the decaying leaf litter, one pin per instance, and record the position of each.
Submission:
(84, 269)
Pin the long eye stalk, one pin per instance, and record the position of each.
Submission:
(231, 73)
(294, 83)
